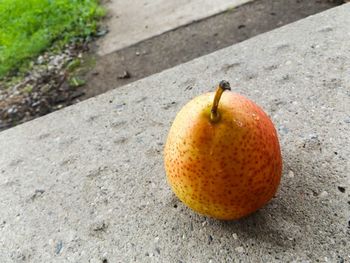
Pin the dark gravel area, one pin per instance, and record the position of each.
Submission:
(49, 85)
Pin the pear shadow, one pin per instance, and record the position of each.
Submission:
(257, 227)
(298, 220)
(296, 217)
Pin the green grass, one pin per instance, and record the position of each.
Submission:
(27, 27)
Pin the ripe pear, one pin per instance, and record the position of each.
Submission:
(222, 155)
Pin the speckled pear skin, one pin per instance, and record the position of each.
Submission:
(228, 169)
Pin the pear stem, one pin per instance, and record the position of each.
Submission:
(223, 85)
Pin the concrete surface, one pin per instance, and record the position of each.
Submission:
(133, 21)
(194, 40)
(87, 184)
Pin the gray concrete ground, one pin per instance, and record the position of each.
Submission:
(87, 184)
(130, 22)
(194, 40)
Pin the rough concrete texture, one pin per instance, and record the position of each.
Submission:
(133, 21)
(87, 184)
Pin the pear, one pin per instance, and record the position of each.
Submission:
(222, 155)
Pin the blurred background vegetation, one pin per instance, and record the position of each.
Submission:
(28, 27)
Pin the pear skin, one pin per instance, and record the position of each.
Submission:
(226, 162)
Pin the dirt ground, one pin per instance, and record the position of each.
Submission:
(195, 40)
(159, 53)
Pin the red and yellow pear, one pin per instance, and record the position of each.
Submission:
(222, 155)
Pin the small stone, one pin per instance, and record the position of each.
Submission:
(323, 194)
(288, 62)
(124, 75)
(239, 249)
(291, 174)
(313, 136)
(50, 67)
(59, 247)
(12, 110)
(235, 236)
(40, 60)
(101, 32)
